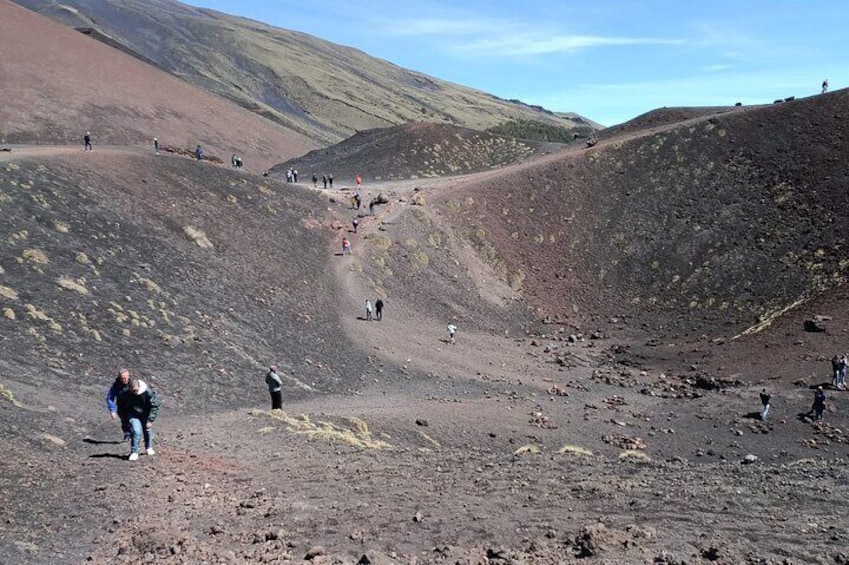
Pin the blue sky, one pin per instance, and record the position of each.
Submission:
(606, 60)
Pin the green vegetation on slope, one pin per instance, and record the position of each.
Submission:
(539, 131)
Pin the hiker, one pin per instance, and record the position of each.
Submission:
(356, 223)
(346, 246)
(378, 309)
(122, 383)
(765, 398)
(314, 181)
(87, 142)
(156, 145)
(138, 406)
(238, 162)
(452, 329)
(330, 179)
(371, 206)
(825, 86)
(275, 388)
(368, 310)
(199, 153)
(838, 367)
(841, 380)
(294, 175)
(324, 180)
(359, 180)
(819, 404)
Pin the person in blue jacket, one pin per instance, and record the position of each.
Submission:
(122, 382)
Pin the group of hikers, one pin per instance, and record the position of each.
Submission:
(136, 406)
(325, 180)
(375, 313)
(838, 382)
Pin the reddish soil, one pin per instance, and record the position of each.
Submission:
(594, 409)
(56, 84)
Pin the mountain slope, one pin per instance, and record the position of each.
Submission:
(710, 226)
(414, 150)
(56, 84)
(321, 89)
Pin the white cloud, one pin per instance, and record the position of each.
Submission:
(524, 44)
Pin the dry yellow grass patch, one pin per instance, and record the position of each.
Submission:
(198, 237)
(9, 313)
(357, 434)
(70, 284)
(575, 450)
(82, 258)
(35, 256)
(37, 314)
(429, 439)
(61, 227)
(7, 292)
(7, 394)
(531, 448)
(634, 454)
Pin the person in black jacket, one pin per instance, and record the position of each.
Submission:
(378, 309)
(819, 404)
(138, 407)
(765, 398)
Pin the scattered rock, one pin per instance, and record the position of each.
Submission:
(812, 325)
(422, 422)
(749, 459)
(315, 551)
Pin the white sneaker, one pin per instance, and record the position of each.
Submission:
(150, 451)
(134, 457)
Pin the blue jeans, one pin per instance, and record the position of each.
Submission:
(138, 428)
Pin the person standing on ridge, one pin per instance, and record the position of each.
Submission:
(122, 383)
(824, 86)
(275, 388)
(87, 142)
(314, 181)
(378, 309)
(324, 180)
(156, 145)
(139, 407)
(330, 179)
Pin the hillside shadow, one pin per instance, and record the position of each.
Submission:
(102, 441)
(106, 456)
(756, 415)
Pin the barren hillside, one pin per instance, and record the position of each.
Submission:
(57, 84)
(706, 227)
(413, 151)
(324, 90)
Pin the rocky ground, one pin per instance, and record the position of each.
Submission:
(526, 442)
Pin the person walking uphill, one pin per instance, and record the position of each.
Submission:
(138, 406)
(275, 388)
(122, 383)
(368, 310)
(87, 142)
(378, 309)
(819, 404)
